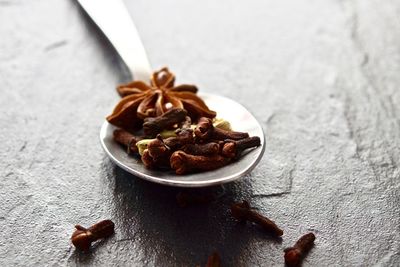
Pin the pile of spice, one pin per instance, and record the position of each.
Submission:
(82, 238)
(170, 127)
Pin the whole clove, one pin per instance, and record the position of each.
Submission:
(155, 163)
(147, 160)
(233, 149)
(214, 260)
(83, 237)
(183, 137)
(185, 199)
(158, 149)
(206, 131)
(184, 163)
(243, 212)
(153, 126)
(204, 128)
(294, 255)
(127, 139)
(220, 134)
(202, 149)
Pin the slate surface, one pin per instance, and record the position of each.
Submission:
(322, 77)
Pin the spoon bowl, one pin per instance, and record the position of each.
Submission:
(240, 119)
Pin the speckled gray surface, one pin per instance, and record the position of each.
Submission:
(322, 77)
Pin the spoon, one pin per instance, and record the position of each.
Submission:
(114, 21)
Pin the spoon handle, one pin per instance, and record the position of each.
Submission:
(113, 19)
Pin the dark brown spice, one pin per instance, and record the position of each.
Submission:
(183, 137)
(233, 149)
(153, 126)
(294, 255)
(204, 128)
(155, 163)
(184, 163)
(220, 134)
(243, 212)
(83, 237)
(148, 160)
(214, 260)
(202, 149)
(206, 131)
(127, 139)
(158, 152)
(158, 149)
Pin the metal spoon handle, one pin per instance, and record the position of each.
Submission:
(113, 19)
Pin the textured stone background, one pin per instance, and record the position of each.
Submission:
(322, 77)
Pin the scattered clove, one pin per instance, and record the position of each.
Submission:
(294, 255)
(153, 126)
(243, 212)
(83, 237)
(127, 139)
(185, 199)
(233, 149)
(184, 163)
(214, 260)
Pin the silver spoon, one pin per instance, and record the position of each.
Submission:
(113, 19)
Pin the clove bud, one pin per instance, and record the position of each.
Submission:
(243, 212)
(154, 163)
(183, 137)
(127, 139)
(83, 237)
(147, 160)
(233, 149)
(220, 134)
(294, 255)
(205, 130)
(153, 126)
(157, 149)
(183, 163)
(202, 149)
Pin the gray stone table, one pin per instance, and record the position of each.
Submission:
(323, 78)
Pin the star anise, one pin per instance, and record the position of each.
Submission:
(141, 100)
